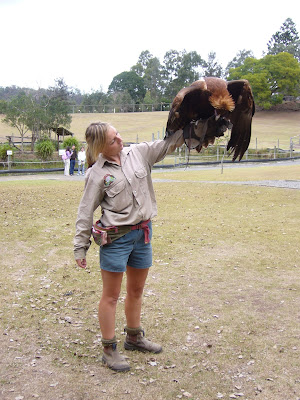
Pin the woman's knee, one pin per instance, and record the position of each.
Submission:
(135, 292)
(109, 299)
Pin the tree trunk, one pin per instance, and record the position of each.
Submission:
(33, 139)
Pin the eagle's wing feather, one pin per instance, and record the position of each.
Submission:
(240, 117)
(189, 104)
(217, 104)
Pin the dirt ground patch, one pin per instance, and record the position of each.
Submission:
(222, 296)
(287, 106)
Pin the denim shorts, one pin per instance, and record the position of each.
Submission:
(130, 250)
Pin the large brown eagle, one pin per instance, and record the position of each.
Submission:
(207, 108)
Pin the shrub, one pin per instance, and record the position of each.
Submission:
(3, 151)
(45, 149)
(70, 142)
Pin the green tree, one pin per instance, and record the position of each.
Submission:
(285, 40)
(58, 106)
(40, 113)
(130, 81)
(124, 101)
(95, 99)
(191, 63)
(17, 114)
(150, 69)
(142, 63)
(271, 77)
(50, 109)
(180, 70)
(171, 64)
(212, 67)
(3, 105)
(238, 60)
(70, 141)
(153, 78)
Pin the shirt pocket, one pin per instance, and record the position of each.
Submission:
(141, 175)
(117, 196)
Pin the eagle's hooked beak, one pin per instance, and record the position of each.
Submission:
(217, 116)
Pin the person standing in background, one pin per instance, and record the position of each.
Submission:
(66, 158)
(81, 161)
(73, 159)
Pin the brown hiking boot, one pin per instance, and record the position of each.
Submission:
(113, 359)
(139, 343)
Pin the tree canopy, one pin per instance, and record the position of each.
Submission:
(39, 113)
(271, 77)
(285, 40)
(129, 81)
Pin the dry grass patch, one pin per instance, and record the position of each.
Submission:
(267, 128)
(130, 125)
(222, 297)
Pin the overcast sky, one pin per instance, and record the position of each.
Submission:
(88, 42)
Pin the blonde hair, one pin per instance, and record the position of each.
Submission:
(96, 138)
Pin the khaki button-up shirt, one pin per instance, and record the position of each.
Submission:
(124, 192)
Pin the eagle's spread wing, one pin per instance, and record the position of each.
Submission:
(205, 110)
(188, 104)
(241, 117)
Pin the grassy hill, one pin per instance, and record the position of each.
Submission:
(269, 128)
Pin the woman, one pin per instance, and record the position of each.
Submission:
(119, 180)
(66, 157)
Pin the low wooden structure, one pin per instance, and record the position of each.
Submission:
(60, 131)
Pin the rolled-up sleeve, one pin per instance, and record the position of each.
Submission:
(90, 201)
(157, 150)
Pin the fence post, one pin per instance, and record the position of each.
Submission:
(152, 137)
(9, 153)
(274, 152)
(291, 147)
(217, 152)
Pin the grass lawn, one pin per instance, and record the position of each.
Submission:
(222, 295)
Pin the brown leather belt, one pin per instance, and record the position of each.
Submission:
(104, 235)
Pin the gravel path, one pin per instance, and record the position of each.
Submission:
(285, 184)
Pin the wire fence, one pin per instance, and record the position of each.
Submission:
(118, 108)
(181, 157)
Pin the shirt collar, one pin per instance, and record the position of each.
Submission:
(124, 152)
